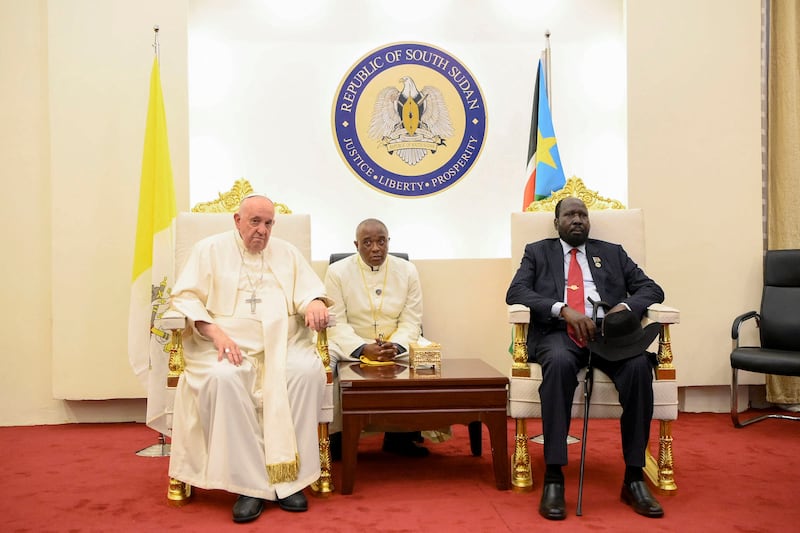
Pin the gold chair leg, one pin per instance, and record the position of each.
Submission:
(661, 472)
(324, 485)
(521, 476)
(178, 492)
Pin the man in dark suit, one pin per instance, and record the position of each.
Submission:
(557, 340)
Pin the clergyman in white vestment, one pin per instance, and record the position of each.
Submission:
(247, 405)
(378, 307)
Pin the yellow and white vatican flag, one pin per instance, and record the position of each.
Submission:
(153, 264)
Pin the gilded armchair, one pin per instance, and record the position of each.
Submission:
(209, 218)
(612, 222)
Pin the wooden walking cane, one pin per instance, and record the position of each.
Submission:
(588, 382)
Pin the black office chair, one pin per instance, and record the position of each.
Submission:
(475, 443)
(779, 329)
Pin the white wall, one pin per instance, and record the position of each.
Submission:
(74, 96)
(99, 57)
(694, 128)
(25, 218)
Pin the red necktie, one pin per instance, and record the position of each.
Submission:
(575, 298)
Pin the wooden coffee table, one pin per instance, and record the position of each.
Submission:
(462, 391)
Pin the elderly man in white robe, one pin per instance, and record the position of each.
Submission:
(247, 405)
(378, 307)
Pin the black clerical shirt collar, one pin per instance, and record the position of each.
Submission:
(370, 267)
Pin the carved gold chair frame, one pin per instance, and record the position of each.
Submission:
(228, 202)
(575, 188)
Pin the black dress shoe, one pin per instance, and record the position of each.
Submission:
(552, 505)
(403, 444)
(637, 495)
(247, 508)
(296, 503)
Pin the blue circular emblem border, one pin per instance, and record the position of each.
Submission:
(446, 175)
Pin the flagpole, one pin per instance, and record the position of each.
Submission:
(162, 448)
(546, 59)
(156, 47)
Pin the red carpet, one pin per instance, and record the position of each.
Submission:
(86, 477)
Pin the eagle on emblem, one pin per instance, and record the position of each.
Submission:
(410, 122)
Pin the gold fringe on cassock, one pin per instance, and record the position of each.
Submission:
(284, 472)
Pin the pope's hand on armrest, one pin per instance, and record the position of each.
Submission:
(316, 315)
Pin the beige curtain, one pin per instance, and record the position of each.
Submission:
(783, 148)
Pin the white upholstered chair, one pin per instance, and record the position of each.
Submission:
(215, 217)
(609, 222)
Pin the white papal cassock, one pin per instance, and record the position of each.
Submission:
(231, 422)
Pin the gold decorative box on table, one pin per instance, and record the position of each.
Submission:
(425, 355)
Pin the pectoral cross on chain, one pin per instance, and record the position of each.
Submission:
(253, 301)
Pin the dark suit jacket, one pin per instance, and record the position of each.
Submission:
(539, 282)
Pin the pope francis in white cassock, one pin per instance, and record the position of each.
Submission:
(247, 405)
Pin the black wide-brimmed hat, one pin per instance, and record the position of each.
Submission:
(623, 336)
